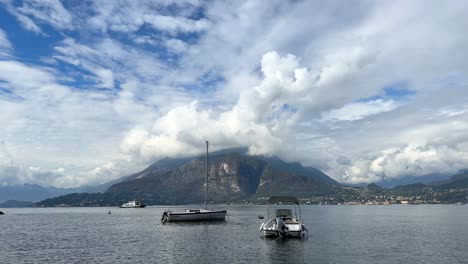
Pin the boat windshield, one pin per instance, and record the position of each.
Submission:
(283, 213)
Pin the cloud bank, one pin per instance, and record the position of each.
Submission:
(364, 92)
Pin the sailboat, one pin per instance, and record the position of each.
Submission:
(196, 214)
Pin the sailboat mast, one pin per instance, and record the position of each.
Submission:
(206, 179)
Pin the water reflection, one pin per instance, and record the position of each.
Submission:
(283, 250)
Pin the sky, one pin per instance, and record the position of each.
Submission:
(363, 90)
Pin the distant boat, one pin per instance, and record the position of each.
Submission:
(133, 204)
(281, 221)
(109, 212)
(196, 214)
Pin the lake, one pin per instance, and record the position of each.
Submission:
(337, 234)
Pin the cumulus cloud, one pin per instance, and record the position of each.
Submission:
(258, 119)
(411, 160)
(12, 173)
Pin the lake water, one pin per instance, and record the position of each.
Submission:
(337, 234)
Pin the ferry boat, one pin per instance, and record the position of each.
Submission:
(133, 204)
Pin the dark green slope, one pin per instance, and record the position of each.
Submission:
(231, 177)
(280, 182)
(298, 169)
(457, 181)
(411, 189)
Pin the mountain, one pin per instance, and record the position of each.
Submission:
(411, 189)
(28, 192)
(35, 192)
(373, 188)
(457, 181)
(297, 168)
(15, 204)
(426, 179)
(233, 176)
(452, 190)
(161, 166)
(275, 181)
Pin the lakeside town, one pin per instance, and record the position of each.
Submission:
(374, 195)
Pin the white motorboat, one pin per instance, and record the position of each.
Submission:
(282, 222)
(133, 204)
(195, 214)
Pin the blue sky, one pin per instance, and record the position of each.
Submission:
(94, 90)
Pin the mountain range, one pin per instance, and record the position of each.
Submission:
(426, 179)
(35, 192)
(233, 177)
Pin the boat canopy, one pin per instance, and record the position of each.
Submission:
(283, 199)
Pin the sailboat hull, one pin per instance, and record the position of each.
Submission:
(194, 216)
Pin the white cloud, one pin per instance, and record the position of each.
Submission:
(176, 45)
(411, 160)
(106, 78)
(109, 16)
(12, 173)
(260, 119)
(22, 79)
(176, 24)
(5, 45)
(360, 110)
(145, 40)
(50, 12)
(128, 62)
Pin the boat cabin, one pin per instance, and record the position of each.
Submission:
(286, 215)
(283, 213)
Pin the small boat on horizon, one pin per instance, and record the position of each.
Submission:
(282, 223)
(133, 204)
